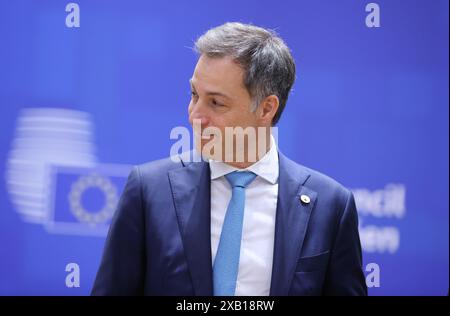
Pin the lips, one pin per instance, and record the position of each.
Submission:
(205, 137)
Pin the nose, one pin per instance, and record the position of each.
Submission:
(198, 112)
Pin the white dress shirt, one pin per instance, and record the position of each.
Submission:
(258, 231)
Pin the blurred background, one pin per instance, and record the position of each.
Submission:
(80, 105)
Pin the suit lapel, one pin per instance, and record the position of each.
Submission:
(191, 194)
(291, 222)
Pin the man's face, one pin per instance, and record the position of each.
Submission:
(219, 97)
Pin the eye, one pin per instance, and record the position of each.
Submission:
(215, 103)
(194, 95)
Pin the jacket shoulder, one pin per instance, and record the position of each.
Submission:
(158, 167)
(317, 180)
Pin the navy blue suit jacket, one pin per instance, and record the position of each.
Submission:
(159, 242)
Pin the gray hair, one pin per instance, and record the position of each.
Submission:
(267, 61)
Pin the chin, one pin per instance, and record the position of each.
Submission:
(209, 154)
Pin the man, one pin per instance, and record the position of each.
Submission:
(231, 226)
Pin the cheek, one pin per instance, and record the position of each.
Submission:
(252, 118)
(218, 121)
(241, 118)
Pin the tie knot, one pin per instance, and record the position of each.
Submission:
(240, 178)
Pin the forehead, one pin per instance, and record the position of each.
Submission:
(220, 74)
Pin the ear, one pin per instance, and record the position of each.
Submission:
(267, 109)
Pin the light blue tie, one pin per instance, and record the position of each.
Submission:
(226, 264)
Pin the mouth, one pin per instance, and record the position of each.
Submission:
(202, 137)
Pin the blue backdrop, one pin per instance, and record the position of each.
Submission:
(79, 105)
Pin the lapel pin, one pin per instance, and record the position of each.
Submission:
(305, 199)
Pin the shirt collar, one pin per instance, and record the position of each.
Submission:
(266, 167)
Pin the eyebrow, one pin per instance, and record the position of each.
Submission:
(214, 93)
